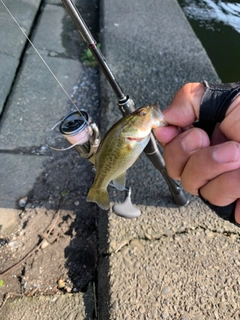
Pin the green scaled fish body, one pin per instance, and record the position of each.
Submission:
(119, 149)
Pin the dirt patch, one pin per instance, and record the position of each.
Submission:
(47, 254)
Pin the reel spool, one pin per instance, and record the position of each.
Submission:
(83, 134)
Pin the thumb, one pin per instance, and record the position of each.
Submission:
(185, 106)
(181, 113)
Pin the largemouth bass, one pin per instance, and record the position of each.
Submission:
(119, 149)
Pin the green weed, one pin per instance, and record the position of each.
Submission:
(88, 58)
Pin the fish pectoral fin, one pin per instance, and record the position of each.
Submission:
(119, 182)
(100, 197)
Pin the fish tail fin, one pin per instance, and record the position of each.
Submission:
(99, 196)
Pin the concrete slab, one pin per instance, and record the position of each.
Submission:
(56, 34)
(12, 43)
(176, 277)
(12, 40)
(48, 35)
(18, 174)
(69, 306)
(159, 220)
(170, 263)
(37, 102)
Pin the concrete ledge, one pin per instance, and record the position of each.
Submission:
(165, 264)
(68, 306)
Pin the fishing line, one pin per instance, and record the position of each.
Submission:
(71, 146)
(45, 63)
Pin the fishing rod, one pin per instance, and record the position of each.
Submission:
(125, 104)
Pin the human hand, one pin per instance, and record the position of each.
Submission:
(211, 166)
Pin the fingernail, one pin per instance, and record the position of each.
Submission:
(228, 152)
(192, 141)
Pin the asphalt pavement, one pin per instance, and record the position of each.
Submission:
(170, 263)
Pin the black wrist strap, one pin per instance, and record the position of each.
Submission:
(215, 101)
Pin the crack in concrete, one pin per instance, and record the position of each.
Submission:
(129, 243)
(42, 150)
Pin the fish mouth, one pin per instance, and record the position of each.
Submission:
(135, 139)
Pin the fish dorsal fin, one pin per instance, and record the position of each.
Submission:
(119, 182)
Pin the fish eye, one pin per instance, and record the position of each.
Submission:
(142, 113)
